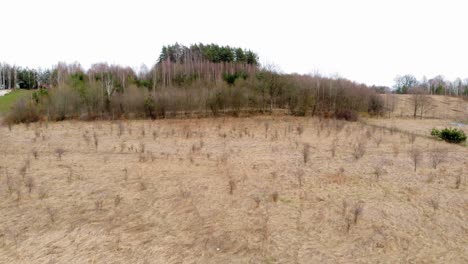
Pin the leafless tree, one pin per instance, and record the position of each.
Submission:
(420, 102)
(437, 156)
(416, 155)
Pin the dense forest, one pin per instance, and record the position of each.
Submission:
(199, 80)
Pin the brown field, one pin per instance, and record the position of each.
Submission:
(419, 127)
(440, 107)
(227, 190)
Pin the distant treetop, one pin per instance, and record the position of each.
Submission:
(211, 52)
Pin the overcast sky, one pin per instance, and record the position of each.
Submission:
(363, 40)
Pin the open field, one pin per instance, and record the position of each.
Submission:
(6, 101)
(419, 127)
(439, 107)
(234, 190)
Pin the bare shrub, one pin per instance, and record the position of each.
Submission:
(70, 175)
(142, 157)
(396, 149)
(10, 184)
(117, 200)
(125, 170)
(35, 153)
(22, 171)
(23, 111)
(42, 193)
(300, 177)
(300, 129)
(232, 187)
(52, 214)
(267, 127)
(341, 171)
(306, 152)
(431, 177)
(275, 196)
(18, 194)
(224, 158)
(378, 171)
(121, 129)
(187, 131)
(437, 156)
(224, 135)
(15, 236)
(59, 152)
(353, 217)
(412, 138)
(96, 140)
(369, 132)
(434, 203)
(458, 179)
(274, 137)
(357, 212)
(416, 155)
(122, 146)
(257, 202)
(65, 102)
(348, 222)
(345, 207)
(333, 147)
(37, 133)
(339, 126)
(359, 149)
(378, 140)
(151, 156)
(348, 115)
(86, 138)
(195, 148)
(98, 204)
(29, 183)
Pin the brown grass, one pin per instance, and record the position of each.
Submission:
(235, 198)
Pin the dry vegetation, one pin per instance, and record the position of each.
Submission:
(230, 190)
(436, 107)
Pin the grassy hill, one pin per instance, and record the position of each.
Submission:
(229, 190)
(441, 107)
(9, 99)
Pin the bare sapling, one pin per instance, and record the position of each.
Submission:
(416, 155)
(59, 152)
(359, 149)
(437, 156)
(306, 152)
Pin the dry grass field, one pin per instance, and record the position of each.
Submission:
(419, 127)
(230, 190)
(439, 107)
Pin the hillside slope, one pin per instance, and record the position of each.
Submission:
(440, 107)
(234, 190)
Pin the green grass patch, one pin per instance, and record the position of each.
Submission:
(8, 100)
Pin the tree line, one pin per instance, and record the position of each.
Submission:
(438, 85)
(12, 77)
(210, 52)
(200, 80)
